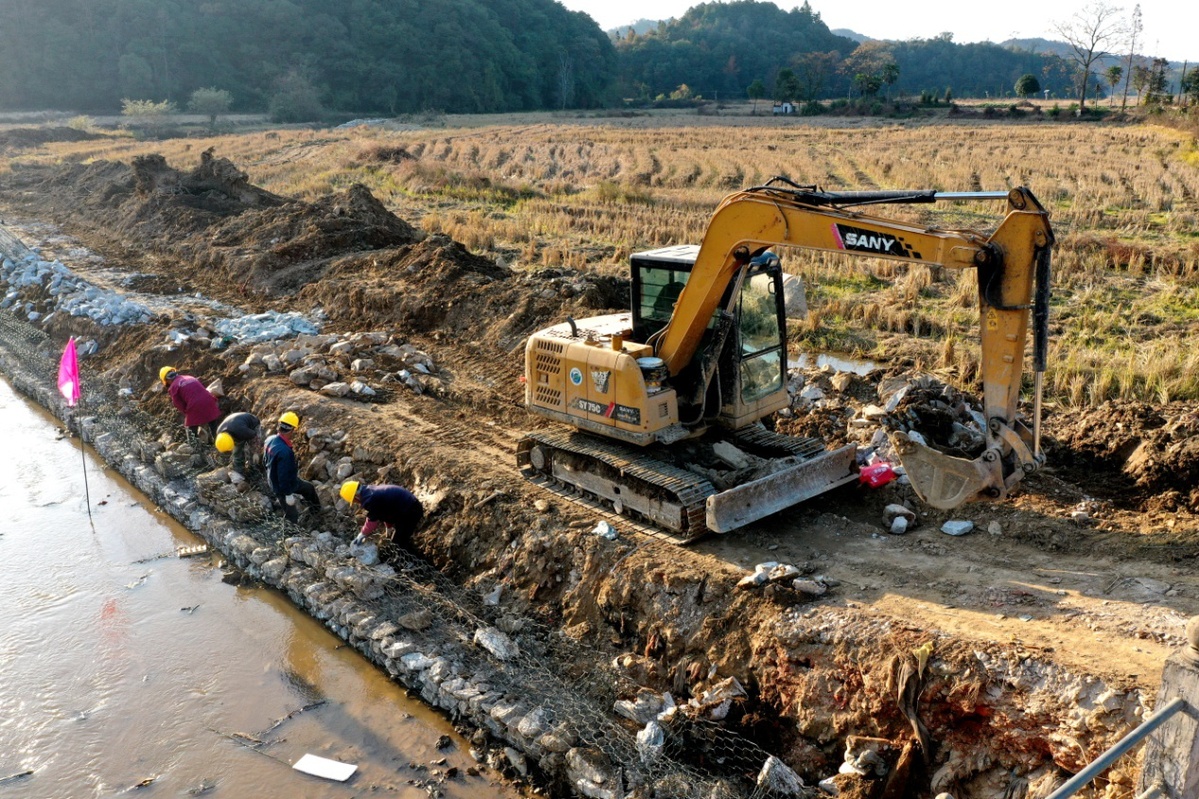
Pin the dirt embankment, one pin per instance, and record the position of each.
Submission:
(994, 650)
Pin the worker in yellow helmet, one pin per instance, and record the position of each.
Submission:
(282, 474)
(199, 408)
(240, 434)
(395, 509)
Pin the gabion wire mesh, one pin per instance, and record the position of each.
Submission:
(571, 682)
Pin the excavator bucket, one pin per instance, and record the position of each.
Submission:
(945, 481)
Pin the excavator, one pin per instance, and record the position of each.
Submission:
(663, 406)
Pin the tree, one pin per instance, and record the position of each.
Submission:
(1114, 74)
(1027, 85)
(211, 103)
(1087, 33)
(1141, 76)
(295, 99)
(756, 91)
(786, 85)
(147, 114)
(566, 79)
(869, 65)
(1158, 84)
(813, 71)
(1189, 86)
(1134, 30)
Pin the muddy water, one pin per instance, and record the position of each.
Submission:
(118, 666)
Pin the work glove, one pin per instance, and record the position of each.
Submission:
(359, 540)
(291, 499)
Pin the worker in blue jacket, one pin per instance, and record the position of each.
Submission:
(282, 474)
(391, 507)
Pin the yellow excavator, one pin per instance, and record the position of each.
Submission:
(664, 403)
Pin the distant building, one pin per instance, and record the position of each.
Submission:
(784, 108)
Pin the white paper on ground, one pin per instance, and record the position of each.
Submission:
(323, 767)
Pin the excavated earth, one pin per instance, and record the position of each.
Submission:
(1013, 654)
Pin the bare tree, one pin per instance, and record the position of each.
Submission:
(1134, 30)
(566, 79)
(1087, 33)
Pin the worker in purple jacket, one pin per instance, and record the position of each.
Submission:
(199, 408)
(388, 506)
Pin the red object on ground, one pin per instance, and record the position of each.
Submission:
(876, 474)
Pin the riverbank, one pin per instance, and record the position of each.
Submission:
(588, 665)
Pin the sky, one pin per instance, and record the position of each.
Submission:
(1170, 28)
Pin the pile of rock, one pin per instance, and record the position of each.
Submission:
(344, 365)
(37, 289)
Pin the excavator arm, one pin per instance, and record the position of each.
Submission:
(1011, 263)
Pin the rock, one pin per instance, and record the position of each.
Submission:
(811, 394)
(841, 381)
(499, 645)
(829, 786)
(782, 573)
(899, 525)
(810, 587)
(302, 376)
(650, 740)
(517, 761)
(873, 413)
(605, 530)
(338, 389)
(957, 527)
(416, 621)
(995, 528)
(361, 364)
(894, 510)
(776, 779)
(795, 300)
(541, 505)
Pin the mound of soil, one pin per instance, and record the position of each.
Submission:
(23, 138)
(1144, 457)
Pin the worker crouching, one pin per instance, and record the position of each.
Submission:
(199, 408)
(395, 509)
(239, 433)
(282, 474)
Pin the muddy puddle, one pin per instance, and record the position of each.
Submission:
(125, 665)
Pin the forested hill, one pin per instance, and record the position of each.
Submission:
(718, 49)
(364, 56)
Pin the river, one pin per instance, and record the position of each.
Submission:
(123, 665)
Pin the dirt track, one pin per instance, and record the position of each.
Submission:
(1050, 621)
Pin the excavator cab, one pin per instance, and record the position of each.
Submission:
(745, 343)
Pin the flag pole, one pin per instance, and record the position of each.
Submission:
(87, 494)
(71, 389)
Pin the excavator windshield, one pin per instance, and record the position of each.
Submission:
(760, 335)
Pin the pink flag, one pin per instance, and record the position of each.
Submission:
(68, 373)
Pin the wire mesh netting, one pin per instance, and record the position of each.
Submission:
(556, 696)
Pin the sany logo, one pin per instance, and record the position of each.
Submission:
(851, 238)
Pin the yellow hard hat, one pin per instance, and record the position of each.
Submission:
(224, 442)
(290, 419)
(166, 374)
(349, 490)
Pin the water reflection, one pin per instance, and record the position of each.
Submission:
(123, 668)
(841, 363)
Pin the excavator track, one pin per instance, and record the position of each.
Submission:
(758, 439)
(656, 498)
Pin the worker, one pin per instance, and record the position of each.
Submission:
(239, 433)
(199, 408)
(282, 474)
(391, 507)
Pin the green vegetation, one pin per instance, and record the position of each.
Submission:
(367, 56)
